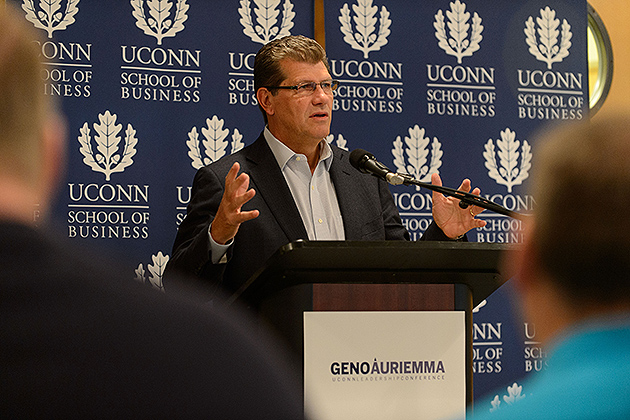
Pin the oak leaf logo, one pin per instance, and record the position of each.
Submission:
(159, 22)
(215, 142)
(155, 273)
(48, 15)
(264, 29)
(366, 39)
(341, 142)
(547, 47)
(477, 308)
(417, 150)
(506, 171)
(457, 42)
(107, 158)
(514, 394)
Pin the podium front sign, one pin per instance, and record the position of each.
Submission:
(375, 365)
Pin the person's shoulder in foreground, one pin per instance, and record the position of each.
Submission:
(587, 369)
(78, 339)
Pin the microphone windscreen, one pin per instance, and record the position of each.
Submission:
(357, 157)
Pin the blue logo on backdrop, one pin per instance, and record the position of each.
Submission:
(108, 211)
(160, 74)
(459, 90)
(547, 94)
(68, 64)
(367, 86)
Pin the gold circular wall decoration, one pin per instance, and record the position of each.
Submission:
(600, 61)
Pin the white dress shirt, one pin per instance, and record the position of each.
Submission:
(313, 193)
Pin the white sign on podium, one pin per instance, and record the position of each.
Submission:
(384, 365)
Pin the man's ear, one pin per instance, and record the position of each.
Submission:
(53, 161)
(265, 99)
(524, 263)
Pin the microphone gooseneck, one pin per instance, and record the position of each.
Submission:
(366, 162)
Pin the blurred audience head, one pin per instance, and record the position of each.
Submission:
(577, 247)
(31, 150)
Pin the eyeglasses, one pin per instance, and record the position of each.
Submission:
(328, 86)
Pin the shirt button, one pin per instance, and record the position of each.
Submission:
(320, 221)
(298, 158)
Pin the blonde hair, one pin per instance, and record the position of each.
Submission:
(23, 104)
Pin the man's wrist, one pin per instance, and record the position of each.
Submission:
(218, 251)
(445, 235)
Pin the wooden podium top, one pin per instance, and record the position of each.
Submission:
(476, 265)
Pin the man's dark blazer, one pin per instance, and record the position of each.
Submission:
(79, 339)
(366, 204)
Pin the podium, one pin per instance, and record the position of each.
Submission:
(373, 277)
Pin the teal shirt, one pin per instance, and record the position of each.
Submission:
(588, 377)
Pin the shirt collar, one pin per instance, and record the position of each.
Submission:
(283, 153)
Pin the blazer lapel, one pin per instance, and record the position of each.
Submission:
(351, 198)
(273, 189)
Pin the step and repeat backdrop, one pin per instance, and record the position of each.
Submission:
(155, 89)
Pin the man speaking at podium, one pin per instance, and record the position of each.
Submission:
(292, 184)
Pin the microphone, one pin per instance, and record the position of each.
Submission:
(366, 162)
